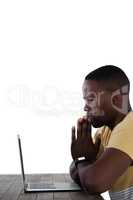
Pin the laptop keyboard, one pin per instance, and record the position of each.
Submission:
(41, 186)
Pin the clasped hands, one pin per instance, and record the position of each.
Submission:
(81, 141)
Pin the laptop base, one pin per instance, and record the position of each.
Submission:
(51, 187)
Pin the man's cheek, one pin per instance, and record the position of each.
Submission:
(93, 105)
(96, 111)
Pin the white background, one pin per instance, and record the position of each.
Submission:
(46, 49)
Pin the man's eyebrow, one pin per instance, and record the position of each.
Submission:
(89, 96)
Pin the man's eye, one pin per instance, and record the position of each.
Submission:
(90, 99)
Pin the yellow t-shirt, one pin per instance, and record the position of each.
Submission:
(121, 137)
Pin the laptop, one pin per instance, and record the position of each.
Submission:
(43, 186)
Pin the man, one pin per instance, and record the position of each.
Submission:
(107, 163)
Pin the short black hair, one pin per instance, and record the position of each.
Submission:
(111, 77)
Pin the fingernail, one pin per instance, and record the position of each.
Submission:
(85, 117)
(80, 120)
(73, 128)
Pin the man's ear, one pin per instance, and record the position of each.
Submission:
(116, 100)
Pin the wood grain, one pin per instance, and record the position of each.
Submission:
(11, 188)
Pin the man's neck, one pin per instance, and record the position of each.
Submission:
(119, 118)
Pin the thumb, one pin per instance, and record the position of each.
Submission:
(73, 138)
(97, 143)
(89, 127)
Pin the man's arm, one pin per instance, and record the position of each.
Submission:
(102, 174)
(73, 171)
(92, 157)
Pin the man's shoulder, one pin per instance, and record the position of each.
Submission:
(125, 124)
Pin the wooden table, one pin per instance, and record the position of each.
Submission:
(11, 188)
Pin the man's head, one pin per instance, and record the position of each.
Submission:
(106, 95)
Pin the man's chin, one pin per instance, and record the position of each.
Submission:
(96, 124)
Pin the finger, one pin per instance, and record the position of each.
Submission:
(84, 129)
(89, 127)
(73, 134)
(79, 128)
(97, 143)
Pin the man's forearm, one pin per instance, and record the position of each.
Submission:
(74, 173)
(87, 178)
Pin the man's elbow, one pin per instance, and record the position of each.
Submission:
(94, 186)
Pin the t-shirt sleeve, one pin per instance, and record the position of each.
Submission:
(122, 140)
